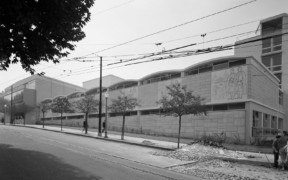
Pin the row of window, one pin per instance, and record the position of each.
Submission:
(215, 66)
(162, 77)
(264, 120)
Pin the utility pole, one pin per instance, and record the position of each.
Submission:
(100, 100)
(11, 109)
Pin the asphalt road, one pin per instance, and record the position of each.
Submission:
(32, 154)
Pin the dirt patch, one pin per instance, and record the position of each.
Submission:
(207, 162)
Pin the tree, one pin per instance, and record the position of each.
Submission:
(121, 105)
(86, 105)
(40, 30)
(44, 107)
(179, 102)
(61, 105)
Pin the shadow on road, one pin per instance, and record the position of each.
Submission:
(33, 165)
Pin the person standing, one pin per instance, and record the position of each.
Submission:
(276, 148)
(283, 143)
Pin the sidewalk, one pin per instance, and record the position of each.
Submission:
(260, 156)
(112, 136)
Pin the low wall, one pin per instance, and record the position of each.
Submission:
(230, 122)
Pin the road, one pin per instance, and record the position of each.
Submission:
(33, 154)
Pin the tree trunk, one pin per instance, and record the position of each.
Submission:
(179, 132)
(123, 127)
(86, 123)
(61, 121)
(43, 120)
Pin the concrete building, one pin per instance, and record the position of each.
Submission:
(231, 86)
(27, 93)
(270, 48)
(246, 95)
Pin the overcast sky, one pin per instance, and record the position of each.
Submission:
(114, 22)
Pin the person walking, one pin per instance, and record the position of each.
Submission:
(103, 126)
(84, 126)
(276, 148)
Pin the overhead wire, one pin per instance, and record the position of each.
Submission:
(170, 28)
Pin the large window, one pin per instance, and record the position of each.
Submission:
(272, 26)
(280, 123)
(273, 62)
(274, 122)
(257, 119)
(272, 44)
(266, 121)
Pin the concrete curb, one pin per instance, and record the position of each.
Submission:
(105, 139)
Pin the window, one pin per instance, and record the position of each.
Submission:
(274, 122)
(205, 68)
(272, 44)
(236, 106)
(266, 121)
(273, 62)
(191, 72)
(221, 65)
(237, 63)
(280, 123)
(281, 97)
(220, 107)
(272, 26)
(257, 117)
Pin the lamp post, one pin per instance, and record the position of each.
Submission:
(106, 98)
(5, 106)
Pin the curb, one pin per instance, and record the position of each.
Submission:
(105, 139)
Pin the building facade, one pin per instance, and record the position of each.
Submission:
(270, 48)
(246, 95)
(25, 95)
(234, 97)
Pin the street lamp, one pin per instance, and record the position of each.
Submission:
(106, 98)
(5, 106)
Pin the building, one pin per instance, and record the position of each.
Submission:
(27, 93)
(231, 86)
(246, 95)
(270, 48)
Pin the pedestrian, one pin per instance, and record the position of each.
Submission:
(283, 142)
(276, 148)
(103, 126)
(84, 126)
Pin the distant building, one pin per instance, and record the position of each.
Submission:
(106, 81)
(27, 93)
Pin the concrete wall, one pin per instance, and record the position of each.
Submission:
(230, 122)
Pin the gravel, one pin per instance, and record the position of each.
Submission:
(205, 162)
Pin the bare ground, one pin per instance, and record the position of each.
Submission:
(219, 163)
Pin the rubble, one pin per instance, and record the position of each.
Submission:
(205, 162)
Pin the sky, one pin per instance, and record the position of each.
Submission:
(122, 30)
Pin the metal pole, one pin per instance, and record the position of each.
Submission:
(5, 106)
(106, 118)
(11, 109)
(100, 101)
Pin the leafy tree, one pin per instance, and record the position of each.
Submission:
(121, 105)
(44, 107)
(32, 31)
(61, 105)
(86, 105)
(179, 102)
